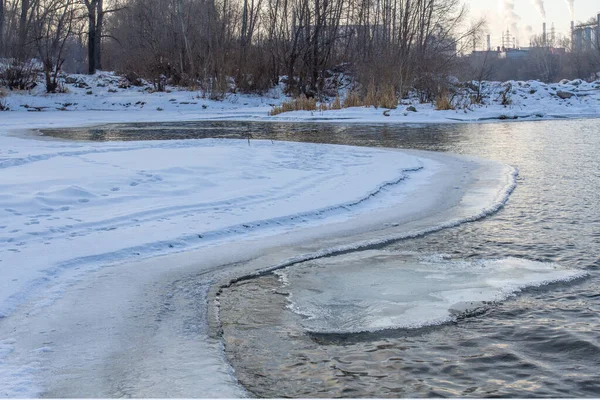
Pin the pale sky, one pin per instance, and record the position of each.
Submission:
(526, 14)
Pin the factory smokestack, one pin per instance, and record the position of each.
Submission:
(544, 35)
(573, 44)
(489, 38)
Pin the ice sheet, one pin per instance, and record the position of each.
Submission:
(378, 290)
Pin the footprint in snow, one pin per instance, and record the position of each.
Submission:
(115, 189)
(134, 184)
(14, 212)
(83, 201)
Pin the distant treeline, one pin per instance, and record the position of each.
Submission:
(246, 44)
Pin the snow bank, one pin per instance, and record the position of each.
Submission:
(103, 94)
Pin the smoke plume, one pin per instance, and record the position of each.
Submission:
(539, 4)
(511, 18)
(571, 4)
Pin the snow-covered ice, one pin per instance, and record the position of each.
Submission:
(66, 207)
(378, 290)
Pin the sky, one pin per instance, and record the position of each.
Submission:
(526, 14)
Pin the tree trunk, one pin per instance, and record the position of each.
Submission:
(2, 39)
(98, 33)
(186, 43)
(21, 51)
(92, 58)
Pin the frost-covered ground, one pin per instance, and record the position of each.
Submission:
(102, 93)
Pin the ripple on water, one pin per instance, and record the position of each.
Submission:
(526, 346)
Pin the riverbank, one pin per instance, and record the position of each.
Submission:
(102, 98)
(130, 245)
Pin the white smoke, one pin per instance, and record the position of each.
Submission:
(571, 4)
(511, 18)
(539, 4)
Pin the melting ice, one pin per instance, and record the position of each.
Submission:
(377, 290)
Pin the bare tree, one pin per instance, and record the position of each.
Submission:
(53, 26)
(2, 38)
(24, 23)
(389, 45)
(96, 14)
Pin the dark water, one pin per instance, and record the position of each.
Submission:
(543, 343)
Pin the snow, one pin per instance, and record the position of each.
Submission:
(101, 98)
(119, 201)
(378, 290)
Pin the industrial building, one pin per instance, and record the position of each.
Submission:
(586, 37)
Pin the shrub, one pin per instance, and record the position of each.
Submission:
(17, 75)
(505, 99)
(217, 87)
(132, 79)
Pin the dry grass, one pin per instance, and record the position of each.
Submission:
(387, 98)
(336, 104)
(371, 96)
(3, 104)
(443, 102)
(352, 100)
(297, 104)
(384, 97)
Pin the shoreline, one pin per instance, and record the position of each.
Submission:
(449, 218)
(100, 99)
(36, 122)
